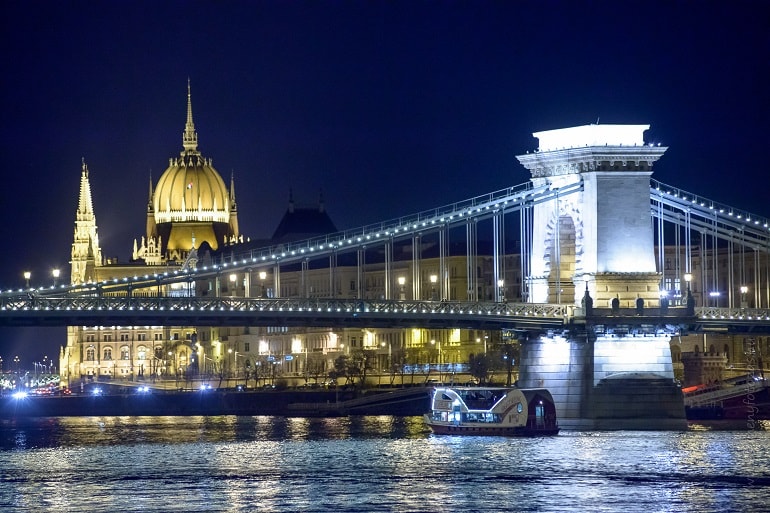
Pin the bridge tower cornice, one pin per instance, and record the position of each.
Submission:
(591, 158)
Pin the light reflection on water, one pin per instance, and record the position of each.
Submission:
(362, 464)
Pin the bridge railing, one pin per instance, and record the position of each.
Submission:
(229, 304)
(739, 314)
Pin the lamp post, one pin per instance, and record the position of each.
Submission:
(401, 282)
(56, 273)
(690, 301)
(744, 290)
(389, 363)
(433, 342)
(233, 277)
(262, 276)
(433, 280)
(27, 276)
(229, 361)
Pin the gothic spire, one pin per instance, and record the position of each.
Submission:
(189, 137)
(232, 189)
(149, 196)
(85, 205)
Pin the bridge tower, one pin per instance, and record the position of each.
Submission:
(598, 243)
(601, 237)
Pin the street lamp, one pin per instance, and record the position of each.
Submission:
(262, 276)
(433, 342)
(433, 280)
(27, 276)
(55, 273)
(233, 277)
(690, 301)
(744, 290)
(390, 355)
(401, 282)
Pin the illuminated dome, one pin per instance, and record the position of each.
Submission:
(191, 201)
(191, 189)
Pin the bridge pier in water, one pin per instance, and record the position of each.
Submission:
(605, 381)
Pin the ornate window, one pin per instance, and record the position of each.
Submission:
(90, 354)
(125, 354)
(107, 353)
(141, 353)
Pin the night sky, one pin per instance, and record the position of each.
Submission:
(389, 108)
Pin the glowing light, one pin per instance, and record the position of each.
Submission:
(591, 135)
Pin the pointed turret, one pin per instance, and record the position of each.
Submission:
(86, 253)
(149, 228)
(234, 229)
(232, 190)
(85, 205)
(190, 136)
(149, 195)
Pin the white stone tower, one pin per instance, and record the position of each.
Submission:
(601, 237)
(86, 254)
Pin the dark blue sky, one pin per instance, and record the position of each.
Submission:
(389, 107)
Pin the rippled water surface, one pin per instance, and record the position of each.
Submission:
(363, 464)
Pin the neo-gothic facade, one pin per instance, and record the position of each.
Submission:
(191, 215)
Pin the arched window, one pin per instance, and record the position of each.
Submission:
(696, 349)
(125, 354)
(727, 352)
(159, 352)
(141, 353)
(712, 349)
(90, 354)
(107, 353)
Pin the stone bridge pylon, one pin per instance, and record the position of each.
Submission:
(601, 236)
(598, 242)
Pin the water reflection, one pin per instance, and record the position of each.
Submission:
(139, 464)
(80, 431)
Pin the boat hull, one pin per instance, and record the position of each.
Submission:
(487, 430)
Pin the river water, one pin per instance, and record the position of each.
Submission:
(369, 464)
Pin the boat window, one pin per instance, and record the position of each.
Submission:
(519, 407)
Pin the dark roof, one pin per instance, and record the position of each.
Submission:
(303, 223)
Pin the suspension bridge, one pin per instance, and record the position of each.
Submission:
(588, 260)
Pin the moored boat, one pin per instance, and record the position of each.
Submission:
(478, 411)
(742, 398)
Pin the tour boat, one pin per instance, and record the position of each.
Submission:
(477, 411)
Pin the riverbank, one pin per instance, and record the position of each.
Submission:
(327, 403)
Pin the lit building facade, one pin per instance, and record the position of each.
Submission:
(191, 216)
